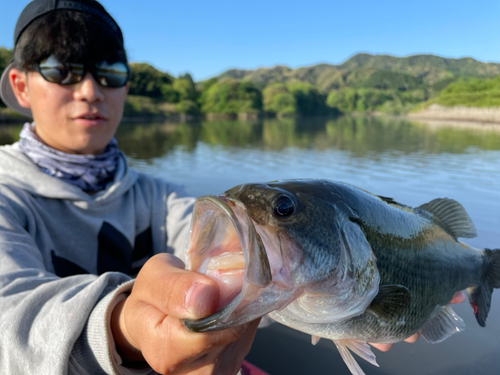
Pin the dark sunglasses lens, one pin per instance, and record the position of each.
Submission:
(56, 72)
(114, 75)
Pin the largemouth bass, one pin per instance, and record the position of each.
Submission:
(337, 262)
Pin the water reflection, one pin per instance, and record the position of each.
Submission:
(231, 133)
(358, 135)
(148, 141)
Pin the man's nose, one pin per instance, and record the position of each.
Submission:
(88, 90)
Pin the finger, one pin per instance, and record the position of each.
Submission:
(381, 347)
(174, 291)
(386, 347)
(458, 297)
(227, 358)
(413, 338)
(206, 340)
(236, 353)
(127, 347)
(169, 347)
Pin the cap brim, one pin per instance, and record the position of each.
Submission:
(8, 96)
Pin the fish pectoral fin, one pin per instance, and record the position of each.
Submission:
(442, 325)
(390, 301)
(315, 339)
(360, 348)
(451, 216)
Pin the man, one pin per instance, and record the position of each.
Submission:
(76, 224)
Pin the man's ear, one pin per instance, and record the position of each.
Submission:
(19, 83)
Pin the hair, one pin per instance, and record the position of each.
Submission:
(72, 37)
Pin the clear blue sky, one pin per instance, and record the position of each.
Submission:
(207, 37)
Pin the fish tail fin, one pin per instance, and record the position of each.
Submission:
(480, 296)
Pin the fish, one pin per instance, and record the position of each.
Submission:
(340, 263)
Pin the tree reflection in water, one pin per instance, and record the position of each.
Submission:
(358, 135)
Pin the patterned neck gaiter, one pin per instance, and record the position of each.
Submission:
(91, 173)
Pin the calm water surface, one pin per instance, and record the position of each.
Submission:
(408, 161)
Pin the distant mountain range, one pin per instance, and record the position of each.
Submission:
(363, 83)
(374, 71)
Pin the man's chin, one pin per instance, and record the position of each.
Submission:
(90, 146)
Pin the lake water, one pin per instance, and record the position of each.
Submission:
(408, 161)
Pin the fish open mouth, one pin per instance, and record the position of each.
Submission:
(225, 246)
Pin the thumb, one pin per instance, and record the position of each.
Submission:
(175, 291)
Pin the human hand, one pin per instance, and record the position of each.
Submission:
(458, 297)
(147, 325)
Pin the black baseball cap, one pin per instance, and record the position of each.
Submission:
(38, 8)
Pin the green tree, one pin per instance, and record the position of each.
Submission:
(371, 100)
(186, 88)
(169, 94)
(278, 100)
(188, 106)
(136, 105)
(308, 99)
(349, 100)
(204, 88)
(344, 100)
(146, 80)
(188, 96)
(229, 96)
(205, 85)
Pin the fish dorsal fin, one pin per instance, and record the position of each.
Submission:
(451, 216)
(441, 325)
(389, 200)
(360, 348)
(390, 301)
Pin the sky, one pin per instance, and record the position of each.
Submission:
(206, 38)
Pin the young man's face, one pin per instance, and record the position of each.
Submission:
(79, 119)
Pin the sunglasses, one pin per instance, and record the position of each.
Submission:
(107, 75)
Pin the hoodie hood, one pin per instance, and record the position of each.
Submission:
(17, 170)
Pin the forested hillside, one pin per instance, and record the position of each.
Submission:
(429, 69)
(363, 83)
(374, 82)
(472, 92)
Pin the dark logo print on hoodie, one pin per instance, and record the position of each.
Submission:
(115, 254)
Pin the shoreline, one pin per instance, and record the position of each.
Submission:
(434, 115)
(456, 124)
(459, 114)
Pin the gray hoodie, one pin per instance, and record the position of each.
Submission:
(67, 258)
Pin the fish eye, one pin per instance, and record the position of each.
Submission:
(283, 207)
